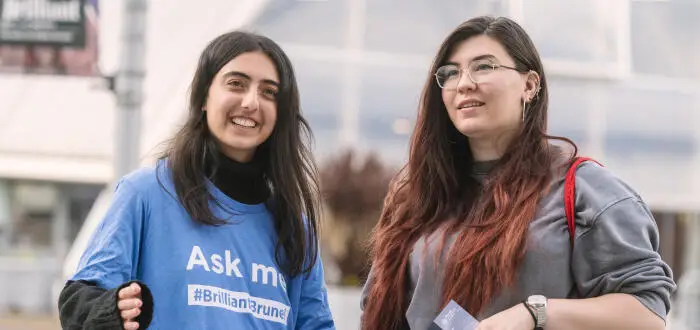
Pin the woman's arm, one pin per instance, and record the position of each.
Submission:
(89, 299)
(615, 260)
(610, 311)
(615, 264)
(314, 311)
(83, 305)
(615, 311)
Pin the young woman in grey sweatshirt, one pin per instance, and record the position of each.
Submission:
(477, 215)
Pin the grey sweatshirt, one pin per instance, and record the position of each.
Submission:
(616, 251)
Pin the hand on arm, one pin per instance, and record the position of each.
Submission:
(129, 304)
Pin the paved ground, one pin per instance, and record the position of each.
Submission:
(27, 322)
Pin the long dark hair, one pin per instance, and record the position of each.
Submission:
(435, 191)
(289, 167)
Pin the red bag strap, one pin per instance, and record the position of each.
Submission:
(570, 195)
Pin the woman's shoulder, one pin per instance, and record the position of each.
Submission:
(599, 189)
(595, 182)
(603, 181)
(147, 179)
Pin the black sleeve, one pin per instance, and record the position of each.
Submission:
(84, 306)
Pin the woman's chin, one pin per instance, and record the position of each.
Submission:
(470, 128)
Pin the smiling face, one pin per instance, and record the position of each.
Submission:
(493, 106)
(241, 104)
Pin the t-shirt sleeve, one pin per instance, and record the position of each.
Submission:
(112, 253)
(618, 252)
(314, 310)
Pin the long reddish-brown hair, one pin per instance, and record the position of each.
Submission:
(435, 191)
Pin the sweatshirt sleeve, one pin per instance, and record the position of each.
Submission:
(82, 305)
(366, 288)
(617, 251)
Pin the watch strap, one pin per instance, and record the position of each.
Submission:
(534, 317)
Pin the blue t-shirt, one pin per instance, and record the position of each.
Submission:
(201, 277)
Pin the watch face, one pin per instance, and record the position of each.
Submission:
(537, 300)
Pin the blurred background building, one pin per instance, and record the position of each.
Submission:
(624, 77)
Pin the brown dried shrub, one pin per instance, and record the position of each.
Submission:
(353, 190)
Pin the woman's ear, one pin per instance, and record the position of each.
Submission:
(532, 86)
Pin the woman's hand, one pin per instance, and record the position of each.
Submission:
(514, 318)
(129, 304)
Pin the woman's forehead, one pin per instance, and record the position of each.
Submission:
(481, 47)
(254, 65)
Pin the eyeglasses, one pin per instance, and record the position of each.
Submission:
(448, 76)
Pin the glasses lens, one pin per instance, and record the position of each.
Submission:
(447, 76)
(480, 70)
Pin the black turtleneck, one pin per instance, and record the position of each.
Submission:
(243, 182)
(481, 169)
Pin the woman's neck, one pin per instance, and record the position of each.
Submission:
(483, 150)
(242, 182)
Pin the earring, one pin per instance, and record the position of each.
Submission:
(524, 109)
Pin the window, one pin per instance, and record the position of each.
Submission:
(320, 89)
(591, 36)
(304, 22)
(653, 122)
(33, 207)
(666, 38)
(570, 102)
(29, 211)
(419, 26)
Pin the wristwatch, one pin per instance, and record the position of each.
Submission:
(539, 304)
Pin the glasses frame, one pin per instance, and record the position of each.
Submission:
(494, 67)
